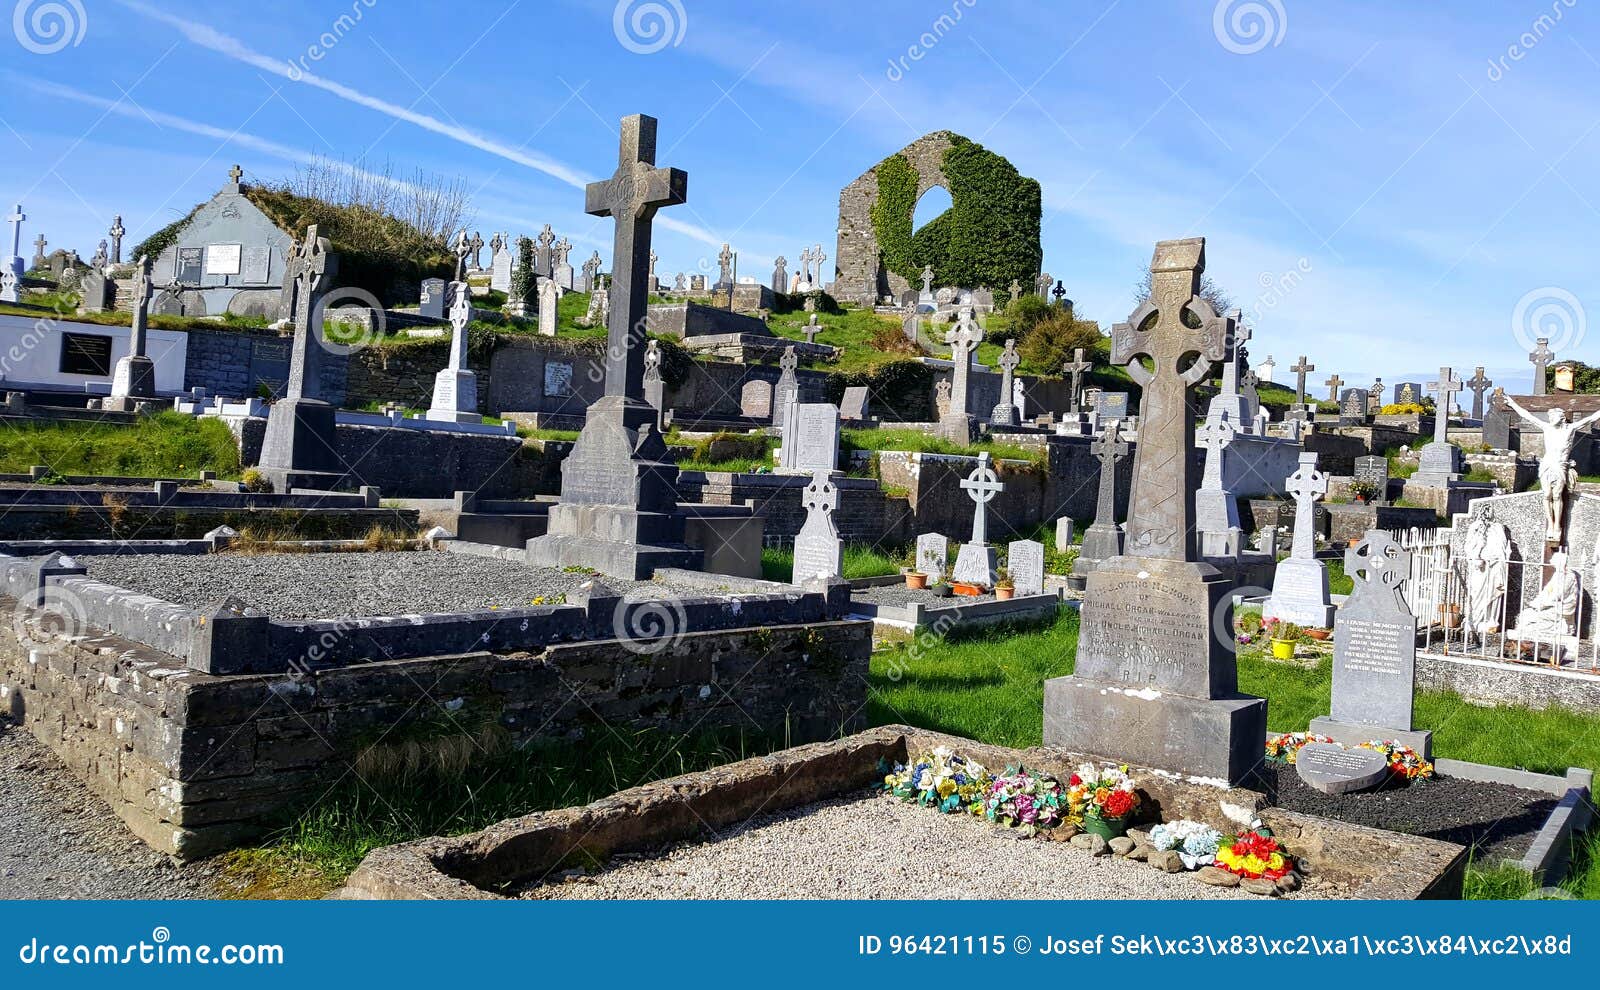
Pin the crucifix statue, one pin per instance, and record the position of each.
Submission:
(1541, 357)
(1301, 370)
(1479, 385)
(117, 231)
(1557, 473)
(1076, 367)
(631, 197)
(1161, 517)
(1333, 384)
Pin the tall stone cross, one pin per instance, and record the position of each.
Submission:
(39, 244)
(927, 280)
(1109, 448)
(982, 485)
(15, 219)
(1333, 384)
(1005, 411)
(1375, 394)
(1215, 436)
(1233, 364)
(725, 265)
(1301, 370)
(117, 232)
(1306, 486)
(1479, 385)
(460, 316)
(311, 264)
(820, 494)
(817, 258)
(475, 249)
(653, 259)
(1445, 388)
(631, 197)
(1541, 357)
(1076, 367)
(805, 265)
(780, 274)
(963, 339)
(1161, 509)
(143, 288)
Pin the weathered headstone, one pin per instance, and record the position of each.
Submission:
(1103, 539)
(933, 556)
(1479, 384)
(1216, 511)
(1300, 583)
(1025, 564)
(655, 387)
(1375, 651)
(1441, 460)
(955, 425)
(299, 447)
(455, 387)
(853, 407)
(563, 274)
(544, 261)
(549, 306)
(591, 273)
(787, 391)
(1065, 531)
(755, 399)
(1156, 683)
(810, 438)
(1333, 384)
(975, 561)
(134, 377)
(618, 511)
(1301, 369)
(431, 303)
(817, 550)
(780, 274)
(500, 262)
(1005, 412)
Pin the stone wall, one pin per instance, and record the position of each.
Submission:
(237, 361)
(861, 277)
(865, 514)
(713, 388)
(196, 764)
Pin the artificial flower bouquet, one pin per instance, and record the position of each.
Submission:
(1019, 797)
(1283, 750)
(941, 779)
(1108, 798)
(1196, 842)
(1254, 855)
(1404, 762)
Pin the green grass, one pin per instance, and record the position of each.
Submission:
(1339, 583)
(856, 562)
(989, 687)
(169, 445)
(413, 788)
(865, 337)
(916, 440)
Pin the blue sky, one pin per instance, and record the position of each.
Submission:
(1384, 187)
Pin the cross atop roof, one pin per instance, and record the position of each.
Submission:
(235, 174)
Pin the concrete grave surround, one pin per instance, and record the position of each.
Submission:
(1333, 769)
(933, 556)
(1155, 683)
(1300, 583)
(1374, 651)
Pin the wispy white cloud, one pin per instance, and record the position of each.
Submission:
(230, 47)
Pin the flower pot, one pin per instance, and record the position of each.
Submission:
(962, 588)
(1004, 594)
(1283, 649)
(941, 590)
(1355, 541)
(1320, 635)
(915, 579)
(1450, 615)
(1105, 828)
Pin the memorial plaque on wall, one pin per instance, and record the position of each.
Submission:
(190, 261)
(255, 266)
(557, 378)
(85, 354)
(223, 259)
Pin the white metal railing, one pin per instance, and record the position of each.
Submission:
(1511, 610)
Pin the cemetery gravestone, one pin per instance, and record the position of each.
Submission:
(1374, 471)
(817, 551)
(455, 389)
(549, 307)
(299, 446)
(1103, 539)
(1353, 407)
(1113, 405)
(431, 304)
(853, 408)
(933, 556)
(787, 391)
(755, 399)
(1332, 769)
(1479, 384)
(1064, 534)
(1300, 583)
(1025, 563)
(500, 269)
(1541, 358)
(1374, 651)
(134, 377)
(975, 561)
(956, 424)
(1216, 511)
(810, 438)
(1441, 460)
(654, 386)
(1155, 684)
(1005, 412)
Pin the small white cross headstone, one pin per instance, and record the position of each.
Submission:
(817, 552)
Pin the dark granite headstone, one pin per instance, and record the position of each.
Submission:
(431, 303)
(1353, 407)
(1374, 470)
(1112, 405)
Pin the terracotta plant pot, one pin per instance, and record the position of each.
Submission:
(962, 588)
(916, 579)
(1355, 541)
(1320, 635)
(1283, 649)
(1450, 615)
(1004, 594)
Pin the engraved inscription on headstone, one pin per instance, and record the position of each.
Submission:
(1025, 563)
(255, 265)
(933, 556)
(557, 378)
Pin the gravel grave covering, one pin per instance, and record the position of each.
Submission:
(57, 840)
(899, 596)
(348, 585)
(871, 846)
(1501, 820)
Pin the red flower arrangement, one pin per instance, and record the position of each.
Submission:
(1252, 855)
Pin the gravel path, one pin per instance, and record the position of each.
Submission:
(344, 585)
(59, 841)
(874, 847)
(1502, 820)
(899, 596)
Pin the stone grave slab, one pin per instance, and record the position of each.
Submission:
(1332, 769)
